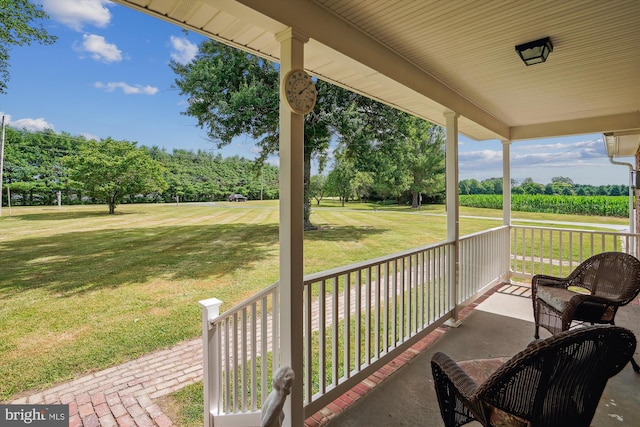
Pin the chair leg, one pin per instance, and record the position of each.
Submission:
(536, 308)
(635, 365)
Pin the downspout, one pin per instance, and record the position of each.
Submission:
(632, 223)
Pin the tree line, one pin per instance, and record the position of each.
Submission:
(45, 168)
(39, 167)
(559, 186)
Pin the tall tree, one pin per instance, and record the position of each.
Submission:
(425, 158)
(403, 153)
(340, 179)
(317, 188)
(232, 93)
(111, 170)
(19, 26)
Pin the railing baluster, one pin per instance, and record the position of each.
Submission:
(387, 309)
(322, 336)
(264, 348)
(234, 360)
(357, 354)
(253, 359)
(308, 343)
(377, 298)
(401, 274)
(346, 347)
(334, 351)
(243, 359)
(367, 315)
(227, 368)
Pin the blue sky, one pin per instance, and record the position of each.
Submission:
(108, 76)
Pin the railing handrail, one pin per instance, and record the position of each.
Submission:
(483, 232)
(576, 230)
(350, 268)
(252, 299)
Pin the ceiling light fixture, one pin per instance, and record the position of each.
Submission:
(535, 52)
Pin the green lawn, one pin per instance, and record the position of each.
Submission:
(82, 290)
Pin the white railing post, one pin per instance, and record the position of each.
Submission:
(210, 357)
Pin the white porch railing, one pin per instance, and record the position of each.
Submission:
(359, 317)
(557, 251)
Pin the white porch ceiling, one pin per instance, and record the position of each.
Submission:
(427, 57)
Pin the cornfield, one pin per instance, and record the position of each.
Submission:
(616, 206)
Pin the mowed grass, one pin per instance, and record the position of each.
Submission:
(82, 290)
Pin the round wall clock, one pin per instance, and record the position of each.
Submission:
(299, 91)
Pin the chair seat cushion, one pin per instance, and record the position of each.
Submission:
(558, 298)
(480, 370)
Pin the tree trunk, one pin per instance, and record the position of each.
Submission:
(416, 200)
(307, 187)
(112, 205)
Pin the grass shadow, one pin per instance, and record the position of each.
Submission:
(52, 215)
(347, 233)
(84, 261)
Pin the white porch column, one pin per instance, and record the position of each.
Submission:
(453, 206)
(506, 205)
(291, 228)
(506, 182)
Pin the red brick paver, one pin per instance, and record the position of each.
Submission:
(121, 396)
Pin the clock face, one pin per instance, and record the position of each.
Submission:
(299, 91)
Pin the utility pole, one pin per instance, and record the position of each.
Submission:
(1, 163)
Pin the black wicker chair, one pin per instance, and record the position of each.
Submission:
(592, 293)
(557, 381)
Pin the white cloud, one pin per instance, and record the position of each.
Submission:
(99, 49)
(126, 88)
(183, 50)
(32, 125)
(77, 13)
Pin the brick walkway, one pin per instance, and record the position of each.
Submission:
(124, 395)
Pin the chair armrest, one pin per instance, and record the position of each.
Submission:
(577, 300)
(602, 300)
(454, 374)
(541, 279)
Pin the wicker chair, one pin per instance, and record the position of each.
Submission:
(592, 293)
(553, 382)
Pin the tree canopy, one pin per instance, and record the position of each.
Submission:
(110, 170)
(19, 26)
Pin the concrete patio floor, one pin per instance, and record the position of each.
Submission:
(502, 325)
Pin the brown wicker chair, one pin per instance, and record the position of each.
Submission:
(592, 293)
(553, 382)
